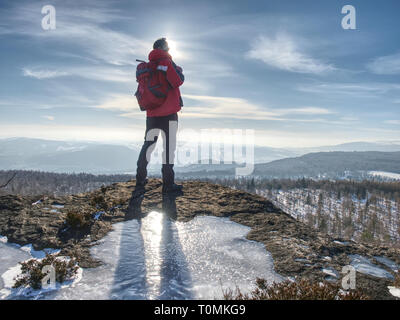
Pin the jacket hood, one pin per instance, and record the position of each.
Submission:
(159, 54)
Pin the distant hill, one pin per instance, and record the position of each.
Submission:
(327, 164)
(313, 164)
(62, 156)
(102, 158)
(384, 146)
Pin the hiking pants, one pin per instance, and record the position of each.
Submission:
(168, 127)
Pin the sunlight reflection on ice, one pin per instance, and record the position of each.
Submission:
(158, 258)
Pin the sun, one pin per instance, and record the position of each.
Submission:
(174, 49)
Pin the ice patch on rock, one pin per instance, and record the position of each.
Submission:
(387, 262)
(301, 260)
(364, 265)
(330, 272)
(158, 258)
(342, 243)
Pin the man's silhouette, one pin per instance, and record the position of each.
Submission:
(164, 118)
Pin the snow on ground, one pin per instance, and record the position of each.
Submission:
(390, 175)
(158, 258)
(8, 292)
(302, 204)
(394, 291)
(10, 256)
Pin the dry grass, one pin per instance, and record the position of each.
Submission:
(301, 290)
(98, 201)
(32, 274)
(79, 219)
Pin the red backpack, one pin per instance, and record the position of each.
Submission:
(151, 92)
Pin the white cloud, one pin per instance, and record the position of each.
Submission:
(386, 64)
(43, 73)
(99, 73)
(51, 118)
(121, 103)
(283, 53)
(213, 107)
(354, 89)
(226, 107)
(308, 110)
(396, 122)
(52, 131)
(84, 28)
(238, 108)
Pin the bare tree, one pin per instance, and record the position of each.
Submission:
(9, 180)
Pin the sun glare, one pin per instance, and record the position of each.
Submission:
(174, 49)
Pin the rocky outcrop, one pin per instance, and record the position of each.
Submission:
(297, 250)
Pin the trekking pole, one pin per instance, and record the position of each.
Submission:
(138, 60)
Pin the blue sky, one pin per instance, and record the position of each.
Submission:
(286, 69)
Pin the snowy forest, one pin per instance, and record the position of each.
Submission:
(366, 210)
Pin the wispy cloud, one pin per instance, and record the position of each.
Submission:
(121, 103)
(226, 107)
(43, 73)
(84, 28)
(361, 89)
(308, 110)
(396, 122)
(99, 73)
(386, 65)
(51, 118)
(214, 107)
(239, 108)
(283, 53)
(54, 131)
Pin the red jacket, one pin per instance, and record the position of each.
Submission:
(174, 77)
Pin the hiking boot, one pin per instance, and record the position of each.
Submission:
(172, 188)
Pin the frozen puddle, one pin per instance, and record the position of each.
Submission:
(158, 258)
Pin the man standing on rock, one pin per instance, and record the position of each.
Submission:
(164, 119)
